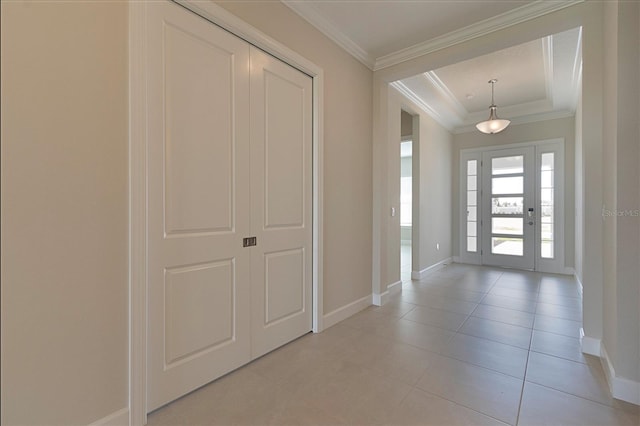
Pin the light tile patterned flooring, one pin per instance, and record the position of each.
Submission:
(466, 346)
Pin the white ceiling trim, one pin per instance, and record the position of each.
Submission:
(433, 78)
(524, 13)
(490, 25)
(577, 71)
(547, 59)
(408, 93)
(311, 15)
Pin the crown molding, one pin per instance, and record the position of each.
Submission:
(410, 95)
(490, 25)
(547, 60)
(309, 13)
(576, 79)
(439, 85)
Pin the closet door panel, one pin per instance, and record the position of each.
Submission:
(198, 202)
(198, 134)
(281, 190)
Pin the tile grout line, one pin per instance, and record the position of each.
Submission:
(526, 366)
(577, 396)
(524, 381)
(461, 405)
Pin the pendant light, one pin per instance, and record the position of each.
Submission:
(493, 124)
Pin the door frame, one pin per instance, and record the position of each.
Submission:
(138, 260)
(556, 265)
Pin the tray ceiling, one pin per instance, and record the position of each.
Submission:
(537, 80)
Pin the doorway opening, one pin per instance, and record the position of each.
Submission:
(406, 195)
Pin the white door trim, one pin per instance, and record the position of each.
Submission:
(138, 178)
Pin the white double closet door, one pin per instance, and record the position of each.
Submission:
(229, 157)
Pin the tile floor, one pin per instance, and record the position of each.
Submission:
(466, 346)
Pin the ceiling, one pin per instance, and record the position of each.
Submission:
(537, 80)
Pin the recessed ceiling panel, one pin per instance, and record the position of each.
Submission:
(520, 71)
(537, 80)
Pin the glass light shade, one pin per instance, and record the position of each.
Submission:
(493, 124)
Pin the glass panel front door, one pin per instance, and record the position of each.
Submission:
(508, 208)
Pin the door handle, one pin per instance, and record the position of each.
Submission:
(249, 241)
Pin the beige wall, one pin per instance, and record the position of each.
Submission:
(433, 235)
(610, 319)
(406, 124)
(578, 192)
(621, 245)
(64, 211)
(628, 172)
(347, 148)
(432, 148)
(592, 149)
(563, 128)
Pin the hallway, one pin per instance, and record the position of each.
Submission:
(468, 345)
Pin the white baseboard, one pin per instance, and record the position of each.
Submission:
(420, 275)
(590, 346)
(119, 418)
(467, 261)
(551, 268)
(337, 315)
(380, 299)
(621, 388)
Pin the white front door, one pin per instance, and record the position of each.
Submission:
(508, 208)
(229, 157)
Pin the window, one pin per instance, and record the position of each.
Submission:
(472, 206)
(546, 205)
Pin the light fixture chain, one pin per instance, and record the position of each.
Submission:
(492, 81)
